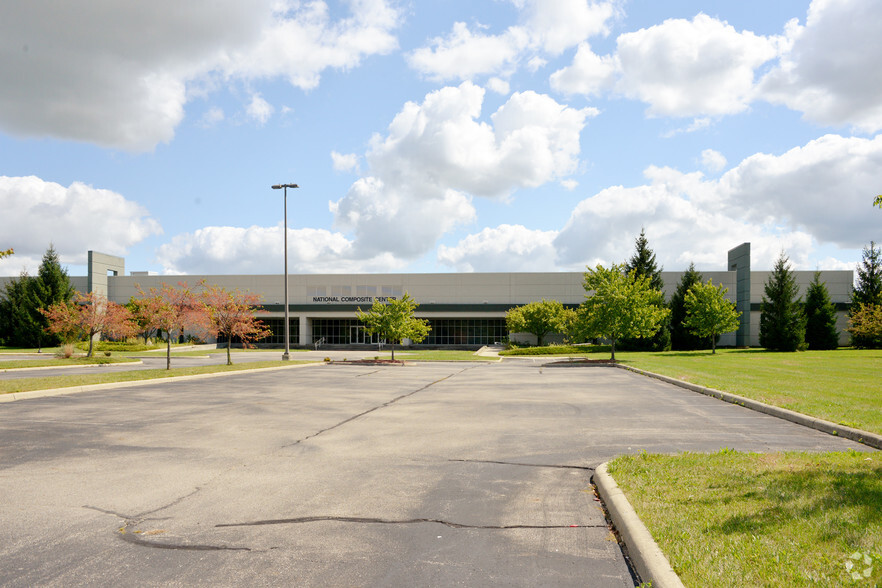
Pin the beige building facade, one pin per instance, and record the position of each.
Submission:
(464, 309)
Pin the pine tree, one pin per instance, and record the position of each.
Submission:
(643, 265)
(53, 280)
(868, 289)
(820, 317)
(22, 324)
(19, 322)
(681, 337)
(782, 323)
(867, 295)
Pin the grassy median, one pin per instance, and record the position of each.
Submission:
(62, 362)
(31, 384)
(841, 386)
(748, 519)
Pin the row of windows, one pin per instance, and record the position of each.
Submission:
(351, 331)
(277, 326)
(466, 332)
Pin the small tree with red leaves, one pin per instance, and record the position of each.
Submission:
(171, 309)
(87, 316)
(233, 314)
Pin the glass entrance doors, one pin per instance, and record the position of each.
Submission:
(357, 335)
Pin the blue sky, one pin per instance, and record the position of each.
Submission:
(502, 135)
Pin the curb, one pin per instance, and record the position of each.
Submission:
(13, 396)
(870, 439)
(647, 557)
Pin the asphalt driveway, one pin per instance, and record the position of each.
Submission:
(339, 475)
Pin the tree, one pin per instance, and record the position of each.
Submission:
(820, 316)
(876, 202)
(708, 313)
(172, 310)
(867, 292)
(394, 321)
(6, 253)
(865, 326)
(232, 314)
(537, 318)
(643, 264)
(87, 316)
(868, 289)
(681, 337)
(24, 325)
(136, 307)
(782, 323)
(620, 304)
(21, 324)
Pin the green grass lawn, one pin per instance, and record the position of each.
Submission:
(747, 519)
(61, 362)
(30, 384)
(843, 386)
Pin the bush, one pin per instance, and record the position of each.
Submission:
(66, 351)
(556, 350)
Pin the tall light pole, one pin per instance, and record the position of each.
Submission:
(286, 356)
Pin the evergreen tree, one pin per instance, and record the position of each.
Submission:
(820, 317)
(681, 337)
(643, 265)
(21, 322)
(867, 295)
(53, 280)
(782, 323)
(868, 289)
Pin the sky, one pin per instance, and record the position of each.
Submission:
(438, 136)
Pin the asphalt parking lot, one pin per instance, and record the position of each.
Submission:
(343, 475)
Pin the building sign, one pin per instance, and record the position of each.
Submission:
(353, 299)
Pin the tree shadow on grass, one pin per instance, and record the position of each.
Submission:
(851, 503)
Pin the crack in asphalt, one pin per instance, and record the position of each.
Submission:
(127, 534)
(378, 521)
(376, 408)
(526, 465)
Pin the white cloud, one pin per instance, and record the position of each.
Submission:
(259, 250)
(513, 247)
(831, 70)
(777, 202)
(557, 25)
(87, 74)
(344, 163)
(437, 155)
(75, 219)
(692, 68)
(259, 110)
(212, 117)
(713, 161)
(830, 177)
(546, 27)
(681, 221)
(499, 86)
(589, 74)
(463, 55)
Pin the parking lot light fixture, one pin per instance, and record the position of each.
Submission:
(286, 356)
